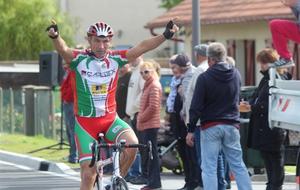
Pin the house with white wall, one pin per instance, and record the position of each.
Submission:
(242, 25)
(127, 18)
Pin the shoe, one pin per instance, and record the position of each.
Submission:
(139, 180)
(283, 62)
(186, 187)
(148, 188)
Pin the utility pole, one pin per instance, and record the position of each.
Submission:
(196, 30)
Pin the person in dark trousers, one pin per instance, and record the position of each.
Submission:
(269, 141)
(215, 102)
(200, 52)
(187, 153)
(69, 117)
(121, 94)
(148, 121)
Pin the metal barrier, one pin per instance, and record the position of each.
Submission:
(10, 110)
(30, 110)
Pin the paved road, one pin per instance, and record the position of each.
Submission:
(15, 177)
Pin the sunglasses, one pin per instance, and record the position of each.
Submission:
(144, 72)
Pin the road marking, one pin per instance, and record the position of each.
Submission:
(76, 178)
(16, 165)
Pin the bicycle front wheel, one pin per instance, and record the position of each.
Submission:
(119, 184)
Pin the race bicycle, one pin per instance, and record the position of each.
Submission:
(117, 181)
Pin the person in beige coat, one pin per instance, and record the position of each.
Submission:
(148, 121)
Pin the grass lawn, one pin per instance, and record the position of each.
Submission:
(24, 144)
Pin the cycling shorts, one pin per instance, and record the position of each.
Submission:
(88, 129)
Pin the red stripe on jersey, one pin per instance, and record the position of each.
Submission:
(107, 62)
(75, 97)
(122, 53)
(110, 103)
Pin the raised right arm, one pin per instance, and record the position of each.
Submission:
(59, 44)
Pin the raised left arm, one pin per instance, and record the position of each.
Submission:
(152, 43)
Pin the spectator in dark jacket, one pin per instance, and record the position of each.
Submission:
(121, 94)
(215, 102)
(186, 153)
(269, 141)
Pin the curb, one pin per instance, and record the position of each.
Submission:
(61, 168)
(36, 163)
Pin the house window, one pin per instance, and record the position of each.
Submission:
(249, 62)
(243, 51)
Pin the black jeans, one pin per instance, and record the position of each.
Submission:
(187, 154)
(274, 163)
(190, 165)
(144, 155)
(152, 167)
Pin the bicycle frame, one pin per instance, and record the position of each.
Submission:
(114, 159)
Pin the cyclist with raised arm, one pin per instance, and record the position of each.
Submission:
(94, 74)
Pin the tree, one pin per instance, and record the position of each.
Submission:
(168, 4)
(23, 24)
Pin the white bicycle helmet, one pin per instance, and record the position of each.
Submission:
(100, 29)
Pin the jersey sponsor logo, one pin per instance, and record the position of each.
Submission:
(83, 73)
(98, 74)
(99, 98)
(99, 89)
(116, 128)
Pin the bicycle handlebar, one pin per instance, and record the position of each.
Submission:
(117, 146)
(95, 146)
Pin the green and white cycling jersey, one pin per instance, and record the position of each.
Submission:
(96, 82)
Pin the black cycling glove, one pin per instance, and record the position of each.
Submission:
(55, 27)
(167, 33)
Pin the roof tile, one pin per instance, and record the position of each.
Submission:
(224, 11)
